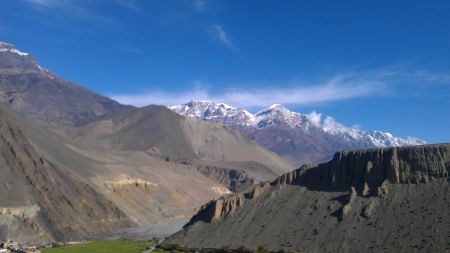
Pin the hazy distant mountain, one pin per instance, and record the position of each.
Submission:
(37, 93)
(302, 138)
(379, 200)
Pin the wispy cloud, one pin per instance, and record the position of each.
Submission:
(408, 70)
(337, 88)
(129, 5)
(393, 80)
(223, 37)
(48, 3)
(65, 8)
(200, 5)
(91, 11)
(159, 97)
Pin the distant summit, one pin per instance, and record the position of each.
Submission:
(215, 112)
(287, 132)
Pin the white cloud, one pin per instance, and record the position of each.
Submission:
(338, 88)
(330, 124)
(314, 118)
(222, 36)
(163, 98)
(391, 80)
(335, 89)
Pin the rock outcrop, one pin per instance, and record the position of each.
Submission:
(362, 172)
(233, 179)
(227, 204)
(371, 168)
(387, 199)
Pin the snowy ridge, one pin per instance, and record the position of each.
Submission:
(277, 115)
(371, 138)
(215, 112)
(6, 47)
(26, 57)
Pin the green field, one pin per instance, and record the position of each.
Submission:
(112, 246)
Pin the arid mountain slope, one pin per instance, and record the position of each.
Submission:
(159, 131)
(41, 201)
(378, 200)
(41, 95)
(136, 187)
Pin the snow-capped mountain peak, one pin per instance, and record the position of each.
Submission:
(11, 56)
(215, 112)
(6, 47)
(277, 115)
(274, 109)
(372, 138)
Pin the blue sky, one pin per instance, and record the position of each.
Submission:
(379, 64)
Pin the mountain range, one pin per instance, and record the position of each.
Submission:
(301, 138)
(75, 163)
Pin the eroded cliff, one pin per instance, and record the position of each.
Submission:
(390, 200)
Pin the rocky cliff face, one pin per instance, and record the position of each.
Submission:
(360, 199)
(371, 168)
(366, 171)
(235, 180)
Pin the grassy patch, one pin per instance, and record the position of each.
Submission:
(110, 246)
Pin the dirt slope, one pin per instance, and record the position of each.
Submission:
(40, 200)
(121, 180)
(140, 188)
(380, 200)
